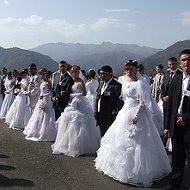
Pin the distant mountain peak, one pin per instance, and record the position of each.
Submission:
(72, 51)
(161, 57)
(17, 58)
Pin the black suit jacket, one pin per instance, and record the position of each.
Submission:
(166, 82)
(175, 94)
(109, 102)
(65, 84)
(165, 88)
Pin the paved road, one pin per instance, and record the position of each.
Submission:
(26, 165)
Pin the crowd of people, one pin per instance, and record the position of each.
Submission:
(128, 121)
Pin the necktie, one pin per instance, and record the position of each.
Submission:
(185, 86)
(171, 74)
(171, 77)
(103, 88)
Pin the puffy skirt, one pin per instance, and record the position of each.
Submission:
(156, 110)
(133, 154)
(41, 126)
(7, 101)
(92, 100)
(77, 131)
(19, 113)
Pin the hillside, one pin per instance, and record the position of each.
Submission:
(162, 56)
(90, 56)
(71, 51)
(16, 58)
(115, 59)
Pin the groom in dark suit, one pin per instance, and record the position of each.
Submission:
(178, 119)
(107, 103)
(62, 83)
(169, 75)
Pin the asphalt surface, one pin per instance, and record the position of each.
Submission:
(27, 165)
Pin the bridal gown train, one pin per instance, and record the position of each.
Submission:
(9, 97)
(41, 126)
(77, 132)
(133, 153)
(19, 113)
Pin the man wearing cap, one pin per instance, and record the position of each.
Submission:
(107, 102)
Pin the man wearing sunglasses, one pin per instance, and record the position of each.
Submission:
(107, 102)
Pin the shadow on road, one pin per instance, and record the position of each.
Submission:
(4, 156)
(5, 181)
(4, 167)
(88, 155)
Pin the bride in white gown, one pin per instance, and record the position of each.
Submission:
(41, 126)
(77, 132)
(19, 113)
(9, 95)
(91, 88)
(131, 150)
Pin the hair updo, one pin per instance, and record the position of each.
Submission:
(129, 63)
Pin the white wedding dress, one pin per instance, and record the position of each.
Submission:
(9, 97)
(77, 132)
(41, 126)
(19, 113)
(91, 89)
(133, 153)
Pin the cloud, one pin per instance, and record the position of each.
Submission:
(184, 18)
(35, 29)
(104, 23)
(6, 2)
(117, 10)
(37, 24)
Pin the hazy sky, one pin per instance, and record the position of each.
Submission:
(154, 23)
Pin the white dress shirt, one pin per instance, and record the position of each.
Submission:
(104, 86)
(185, 92)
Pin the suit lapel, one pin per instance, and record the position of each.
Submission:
(100, 87)
(167, 79)
(178, 86)
(109, 85)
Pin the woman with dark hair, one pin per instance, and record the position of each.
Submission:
(131, 150)
(19, 112)
(91, 87)
(9, 95)
(41, 126)
(141, 71)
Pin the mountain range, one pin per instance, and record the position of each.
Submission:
(16, 58)
(162, 56)
(94, 56)
(71, 51)
(89, 55)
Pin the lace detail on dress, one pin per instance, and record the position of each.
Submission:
(129, 90)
